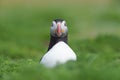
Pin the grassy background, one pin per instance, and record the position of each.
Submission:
(94, 35)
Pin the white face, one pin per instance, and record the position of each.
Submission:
(59, 29)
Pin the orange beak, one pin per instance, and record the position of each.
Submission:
(58, 29)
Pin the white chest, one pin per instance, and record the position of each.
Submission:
(58, 54)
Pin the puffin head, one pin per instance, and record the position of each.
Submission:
(59, 28)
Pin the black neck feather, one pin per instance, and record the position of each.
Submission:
(54, 40)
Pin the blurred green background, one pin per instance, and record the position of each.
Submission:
(94, 35)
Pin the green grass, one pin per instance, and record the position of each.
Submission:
(94, 31)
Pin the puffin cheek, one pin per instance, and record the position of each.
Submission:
(62, 30)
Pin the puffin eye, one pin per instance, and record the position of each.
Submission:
(65, 24)
(52, 25)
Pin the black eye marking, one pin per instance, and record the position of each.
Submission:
(52, 24)
(65, 24)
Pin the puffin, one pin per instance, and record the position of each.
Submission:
(59, 52)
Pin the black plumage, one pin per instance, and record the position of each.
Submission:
(54, 40)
